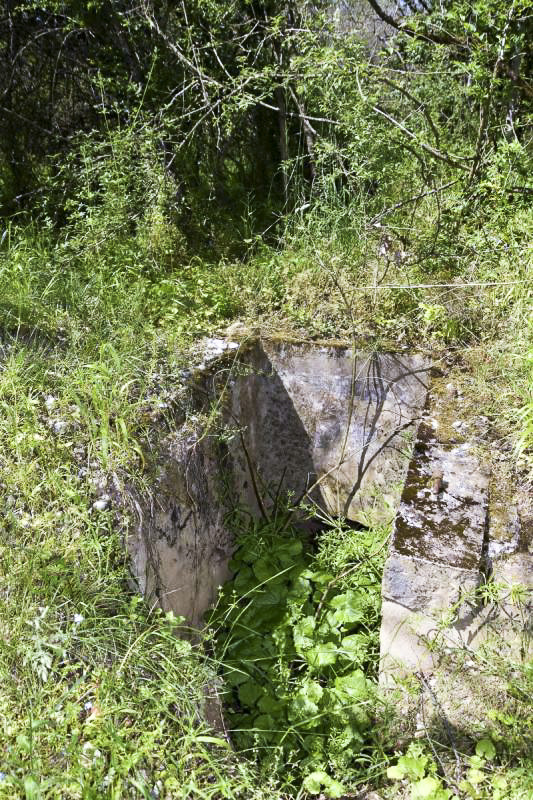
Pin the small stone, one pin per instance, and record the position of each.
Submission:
(102, 504)
(451, 390)
(457, 424)
(59, 426)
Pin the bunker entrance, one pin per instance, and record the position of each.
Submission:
(284, 497)
(314, 446)
(322, 425)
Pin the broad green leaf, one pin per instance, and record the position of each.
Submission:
(268, 704)
(333, 788)
(234, 677)
(354, 647)
(303, 634)
(485, 748)
(323, 654)
(300, 589)
(304, 705)
(414, 766)
(264, 722)
(475, 776)
(318, 576)
(313, 783)
(249, 693)
(395, 773)
(244, 581)
(429, 788)
(349, 607)
(354, 685)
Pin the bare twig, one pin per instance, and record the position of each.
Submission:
(412, 200)
(451, 160)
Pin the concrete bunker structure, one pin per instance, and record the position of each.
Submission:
(358, 432)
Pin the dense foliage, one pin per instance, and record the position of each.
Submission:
(355, 169)
(299, 647)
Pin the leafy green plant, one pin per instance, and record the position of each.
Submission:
(295, 648)
(419, 770)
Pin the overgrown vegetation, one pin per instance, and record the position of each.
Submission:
(299, 643)
(351, 170)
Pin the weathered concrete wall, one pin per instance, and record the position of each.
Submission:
(438, 552)
(296, 416)
(329, 417)
(341, 426)
(181, 545)
(450, 537)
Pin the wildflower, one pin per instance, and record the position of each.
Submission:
(78, 618)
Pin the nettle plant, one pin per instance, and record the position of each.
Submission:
(296, 647)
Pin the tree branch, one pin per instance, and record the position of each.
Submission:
(444, 38)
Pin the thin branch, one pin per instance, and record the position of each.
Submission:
(485, 106)
(412, 200)
(444, 38)
(418, 102)
(437, 285)
(452, 160)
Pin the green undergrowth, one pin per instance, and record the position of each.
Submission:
(99, 697)
(298, 639)
(97, 319)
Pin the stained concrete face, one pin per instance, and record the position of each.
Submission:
(299, 419)
(438, 553)
(339, 421)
